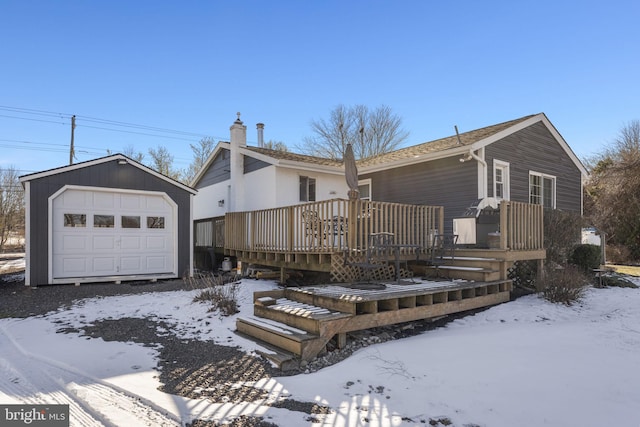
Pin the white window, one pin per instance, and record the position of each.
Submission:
(307, 189)
(501, 184)
(542, 189)
(364, 188)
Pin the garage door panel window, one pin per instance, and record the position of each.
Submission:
(129, 221)
(155, 222)
(103, 221)
(75, 220)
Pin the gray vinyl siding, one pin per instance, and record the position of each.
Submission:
(535, 149)
(251, 164)
(109, 175)
(218, 171)
(444, 182)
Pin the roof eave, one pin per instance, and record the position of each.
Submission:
(450, 152)
(82, 165)
(219, 147)
(291, 164)
(540, 117)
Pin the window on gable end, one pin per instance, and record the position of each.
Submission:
(542, 189)
(307, 189)
(501, 180)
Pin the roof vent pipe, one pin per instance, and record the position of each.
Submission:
(457, 134)
(260, 127)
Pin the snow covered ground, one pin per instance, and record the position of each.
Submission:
(523, 363)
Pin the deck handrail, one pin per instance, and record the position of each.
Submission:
(330, 226)
(521, 226)
(339, 224)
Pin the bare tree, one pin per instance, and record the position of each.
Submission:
(613, 199)
(370, 132)
(11, 205)
(130, 152)
(201, 152)
(162, 161)
(275, 145)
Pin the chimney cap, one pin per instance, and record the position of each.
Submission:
(260, 125)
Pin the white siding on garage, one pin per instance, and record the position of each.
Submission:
(106, 232)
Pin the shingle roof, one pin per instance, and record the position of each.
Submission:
(295, 157)
(466, 138)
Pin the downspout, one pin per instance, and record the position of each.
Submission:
(482, 171)
(482, 174)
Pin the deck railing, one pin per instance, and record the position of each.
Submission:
(338, 224)
(330, 226)
(521, 226)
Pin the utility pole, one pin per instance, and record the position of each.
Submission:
(72, 152)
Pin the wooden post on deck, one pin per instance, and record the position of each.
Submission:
(352, 228)
(291, 221)
(504, 209)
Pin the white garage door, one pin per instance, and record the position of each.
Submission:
(98, 233)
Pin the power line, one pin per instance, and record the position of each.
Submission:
(32, 111)
(101, 121)
(135, 133)
(144, 127)
(44, 146)
(33, 120)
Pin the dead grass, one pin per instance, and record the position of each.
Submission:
(629, 270)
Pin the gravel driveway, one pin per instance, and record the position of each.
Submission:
(185, 366)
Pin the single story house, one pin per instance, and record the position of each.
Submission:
(106, 220)
(237, 177)
(523, 160)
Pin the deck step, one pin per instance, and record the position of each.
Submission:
(277, 334)
(469, 273)
(478, 274)
(463, 261)
(300, 315)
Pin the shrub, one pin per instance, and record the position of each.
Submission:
(562, 231)
(615, 280)
(564, 285)
(619, 254)
(586, 257)
(222, 296)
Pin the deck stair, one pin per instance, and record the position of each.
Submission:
(299, 328)
(466, 265)
(296, 324)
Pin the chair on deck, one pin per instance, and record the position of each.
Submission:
(314, 227)
(380, 250)
(443, 249)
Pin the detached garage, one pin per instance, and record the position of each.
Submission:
(106, 220)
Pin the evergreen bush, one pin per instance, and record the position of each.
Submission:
(586, 257)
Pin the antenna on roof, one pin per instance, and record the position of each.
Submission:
(457, 134)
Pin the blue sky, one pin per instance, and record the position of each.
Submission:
(190, 66)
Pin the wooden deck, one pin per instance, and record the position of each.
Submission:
(316, 236)
(301, 321)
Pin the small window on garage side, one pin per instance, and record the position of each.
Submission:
(155, 222)
(75, 220)
(129, 221)
(103, 221)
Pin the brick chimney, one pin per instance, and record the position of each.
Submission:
(238, 140)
